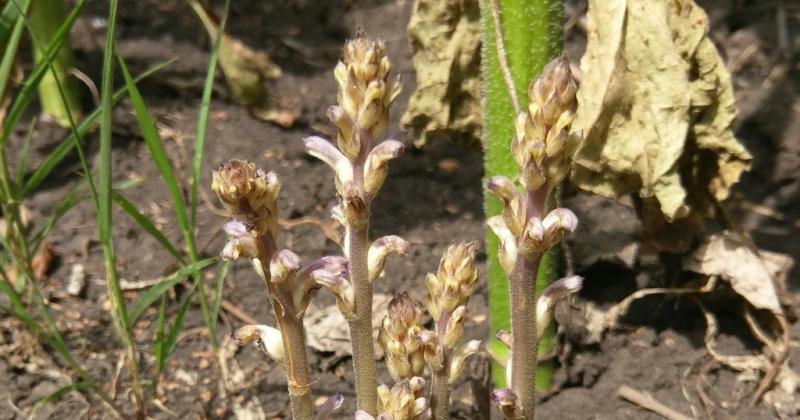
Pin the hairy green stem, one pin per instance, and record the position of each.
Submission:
(532, 37)
(364, 368)
(44, 18)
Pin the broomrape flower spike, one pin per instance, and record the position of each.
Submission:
(399, 338)
(250, 195)
(448, 294)
(360, 165)
(543, 148)
(404, 401)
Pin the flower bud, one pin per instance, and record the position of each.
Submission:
(247, 191)
(533, 238)
(508, 242)
(380, 249)
(365, 94)
(455, 280)
(513, 205)
(455, 327)
(506, 400)
(323, 150)
(342, 121)
(557, 290)
(377, 164)
(403, 401)
(399, 338)
(332, 274)
(459, 357)
(242, 242)
(542, 143)
(557, 223)
(269, 339)
(332, 404)
(505, 337)
(283, 265)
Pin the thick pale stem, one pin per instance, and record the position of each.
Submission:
(440, 393)
(440, 386)
(523, 328)
(524, 354)
(361, 326)
(297, 372)
(45, 18)
(293, 335)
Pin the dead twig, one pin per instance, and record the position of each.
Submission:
(501, 55)
(646, 401)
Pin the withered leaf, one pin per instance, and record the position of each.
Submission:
(751, 275)
(445, 44)
(656, 109)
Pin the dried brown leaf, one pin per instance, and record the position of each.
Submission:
(656, 109)
(728, 256)
(445, 44)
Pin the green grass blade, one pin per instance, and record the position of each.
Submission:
(222, 273)
(30, 85)
(202, 120)
(147, 225)
(155, 291)
(57, 156)
(55, 395)
(159, 347)
(9, 54)
(177, 326)
(151, 137)
(9, 16)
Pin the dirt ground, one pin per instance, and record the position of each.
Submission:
(432, 198)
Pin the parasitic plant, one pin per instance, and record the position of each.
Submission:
(250, 195)
(413, 349)
(359, 164)
(543, 148)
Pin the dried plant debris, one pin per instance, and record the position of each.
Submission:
(729, 256)
(246, 71)
(445, 44)
(656, 109)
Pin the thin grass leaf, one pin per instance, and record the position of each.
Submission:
(51, 162)
(222, 273)
(155, 291)
(9, 16)
(148, 226)
(30, 85)
(55, 395)
(177, 326)
(147, 126)
(9, 54)
(202, 120)
(19, 310)
(159, 348)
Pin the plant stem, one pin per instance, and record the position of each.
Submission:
(532, 36)
(524, 354)
(361, 326)
(440, 392)
(45, 17)
(525, 351)
(440, 386)
(297, 372)
(293, 336)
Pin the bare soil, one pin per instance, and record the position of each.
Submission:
(432, 198)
